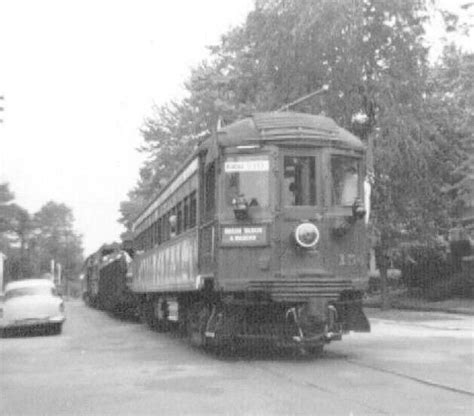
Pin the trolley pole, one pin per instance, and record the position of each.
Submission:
(286, 107)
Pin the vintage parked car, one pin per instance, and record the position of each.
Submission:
(32, 303)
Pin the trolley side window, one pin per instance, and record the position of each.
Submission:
(192, 210)
(345, 172)
(299, 186)
(209, 191)
(247, 177)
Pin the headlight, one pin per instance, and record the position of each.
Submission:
(306, 235)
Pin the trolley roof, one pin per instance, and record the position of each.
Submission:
(274, 127)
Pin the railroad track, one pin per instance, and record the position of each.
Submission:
(324, 388)
(411, 378)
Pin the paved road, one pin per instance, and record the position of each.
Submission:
(411, 364)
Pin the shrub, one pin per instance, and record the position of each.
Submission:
(425, 267)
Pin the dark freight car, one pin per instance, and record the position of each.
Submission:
(106, 273)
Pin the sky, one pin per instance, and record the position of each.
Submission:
(78, 79)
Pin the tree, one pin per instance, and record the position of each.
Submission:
(5, 194)
(31, 242)
(370, 54)
(55, 239)
(130, 209)
(15, 231)
(452, 121)
(6, 198)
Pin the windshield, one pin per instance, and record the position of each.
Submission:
(247, 177)
(30, 291)
(299, 186)
(345, 179)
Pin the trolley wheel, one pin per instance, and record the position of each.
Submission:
(146, 313)
(197, 317)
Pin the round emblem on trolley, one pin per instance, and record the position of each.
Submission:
(307, 235)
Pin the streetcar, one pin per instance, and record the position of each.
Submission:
(259, 238)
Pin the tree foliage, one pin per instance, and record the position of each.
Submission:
(54, 238)
(452, 121)
(371, 56)
(32, 241)
(15, 228)
(6, 195)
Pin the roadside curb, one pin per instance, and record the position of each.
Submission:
(459, 311)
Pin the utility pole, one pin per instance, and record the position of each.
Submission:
(52, 270)
(67, 266)
(2, 99)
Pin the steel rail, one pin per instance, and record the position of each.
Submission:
(412, 378)
(323, 389)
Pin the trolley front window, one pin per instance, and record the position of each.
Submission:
(345, 179)
(247, 177)
(299, 181)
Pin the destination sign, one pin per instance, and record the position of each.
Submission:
(247, 166)
(247, 235)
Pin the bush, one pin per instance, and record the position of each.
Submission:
(393, 280)
(457, 286)
(425, 267)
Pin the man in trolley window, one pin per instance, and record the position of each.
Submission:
(345, 174)
(350, 186)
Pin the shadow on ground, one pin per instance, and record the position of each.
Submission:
(33, 331)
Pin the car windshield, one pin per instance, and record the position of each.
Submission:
(29, 291)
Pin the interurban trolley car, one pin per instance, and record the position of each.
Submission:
(259, 237)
